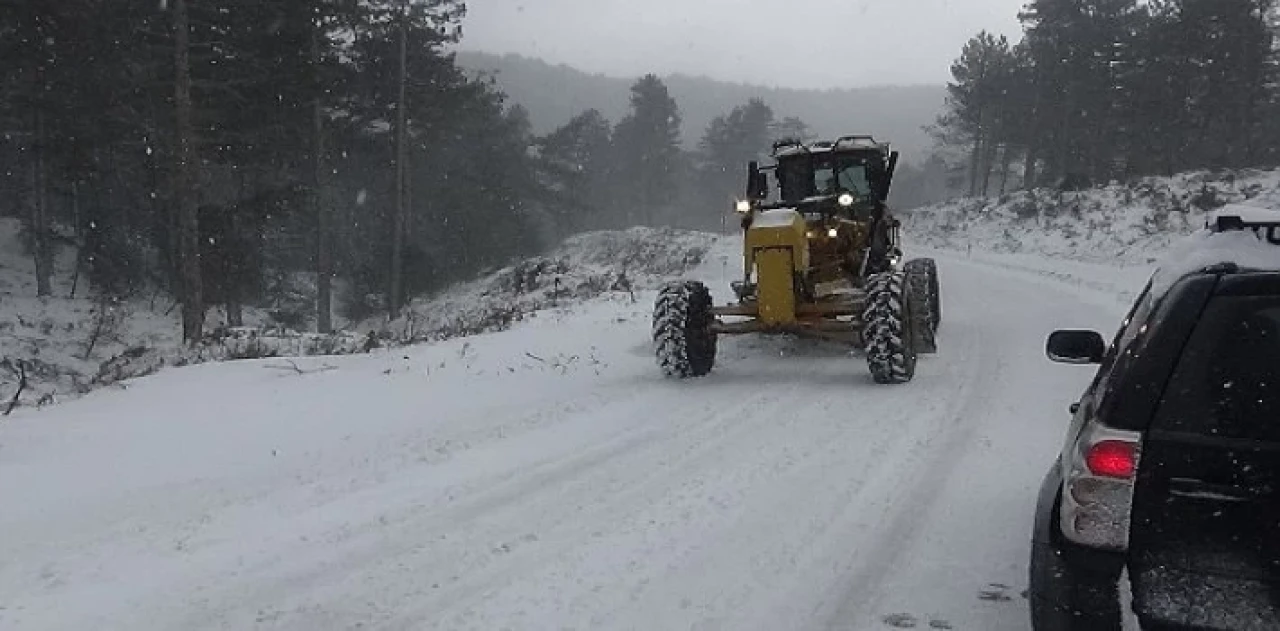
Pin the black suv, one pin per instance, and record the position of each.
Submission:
(1168, 487)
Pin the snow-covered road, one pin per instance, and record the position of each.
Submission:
(548, 478)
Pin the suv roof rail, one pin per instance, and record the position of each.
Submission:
(1225, 267)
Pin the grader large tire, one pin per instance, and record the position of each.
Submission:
(887, 333)
(922, 293)
(682, 319)
(925, 272)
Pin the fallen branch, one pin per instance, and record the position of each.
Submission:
(299, 370)
(21, 368)
(99, 326)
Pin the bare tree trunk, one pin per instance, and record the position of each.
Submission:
(188, 222)
(235, 312)
(1029, 170)
(235, 259)
(76, 226)
(975, 159)
(1006, 159)
(324, 253)
(988, 165)
(40, 213)
(395, 295)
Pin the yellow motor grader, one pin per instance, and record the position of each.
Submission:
(823, 259)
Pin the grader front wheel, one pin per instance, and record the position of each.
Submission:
(888, 329)
(682, 319)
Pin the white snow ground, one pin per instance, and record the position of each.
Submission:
(546, 477)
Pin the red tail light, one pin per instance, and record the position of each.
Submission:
(1112, 459)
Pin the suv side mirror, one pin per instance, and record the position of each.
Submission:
(1076, 347)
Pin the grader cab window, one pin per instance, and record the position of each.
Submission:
(807, 176)
(795, 179)
(825, 180)
(853, 178)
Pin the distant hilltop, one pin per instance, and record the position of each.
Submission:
(555, 93)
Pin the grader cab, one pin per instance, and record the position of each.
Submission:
(821, 258)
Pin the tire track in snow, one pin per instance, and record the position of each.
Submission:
(930, 470)
(736, 515)
(1013, 382)
(506, 512)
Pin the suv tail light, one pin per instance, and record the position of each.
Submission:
(1097, 499)
(1112, 459)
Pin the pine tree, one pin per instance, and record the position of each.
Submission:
(1081, 51)
(792, 128)
(647, 145)
(730, 142)
(574, 162)
(979, 112)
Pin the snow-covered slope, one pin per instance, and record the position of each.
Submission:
(583, 267)
(1118, 225)
(63, 338)
(546, 477)
(69, 345)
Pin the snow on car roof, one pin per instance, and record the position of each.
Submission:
(1248, 213)
(1207, 247)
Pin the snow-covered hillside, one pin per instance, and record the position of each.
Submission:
(62, 339)
(583, 267)
(1119, 225)
(69, 345)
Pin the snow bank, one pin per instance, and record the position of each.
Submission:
(66, 345)
(1118, 225)
(583, 267)
(227, 345)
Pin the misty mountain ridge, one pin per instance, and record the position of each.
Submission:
(554, 93)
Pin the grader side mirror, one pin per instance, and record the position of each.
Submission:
(888, 176)
(757, 182)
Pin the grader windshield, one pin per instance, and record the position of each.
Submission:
(821, 174)
(842, 176)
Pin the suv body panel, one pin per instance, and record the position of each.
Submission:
(1206, 516)
(1124, 395)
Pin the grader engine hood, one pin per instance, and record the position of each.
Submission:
(777, 249)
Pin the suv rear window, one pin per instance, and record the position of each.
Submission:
(1227, 382)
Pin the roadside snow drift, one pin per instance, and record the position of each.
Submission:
(1118, 225)
(69, 345)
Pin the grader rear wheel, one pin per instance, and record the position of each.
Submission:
(922, 292)
(924, 272)
(888, 333)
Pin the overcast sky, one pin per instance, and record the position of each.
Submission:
(795, 43)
